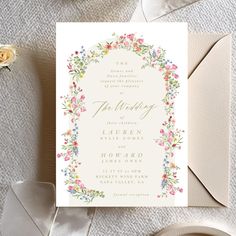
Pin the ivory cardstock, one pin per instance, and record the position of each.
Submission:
(121, 114)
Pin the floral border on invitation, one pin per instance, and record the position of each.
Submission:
(74, 105)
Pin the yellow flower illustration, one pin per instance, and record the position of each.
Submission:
(106, 51)
(68, 132)
(172, 165)
(76, 188)
(69, 104)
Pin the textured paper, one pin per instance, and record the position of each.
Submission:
(209, 112)
(121, 115)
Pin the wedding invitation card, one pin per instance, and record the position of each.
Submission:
(121, 114)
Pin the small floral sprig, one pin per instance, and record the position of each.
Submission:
(7, 56)
(73, 104)
(78, 62)
(70, 145)
(76, 187)
(170, 140)
(127, 41)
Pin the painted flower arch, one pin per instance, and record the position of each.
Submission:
(74, 105)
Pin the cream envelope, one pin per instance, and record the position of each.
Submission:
(209, 111)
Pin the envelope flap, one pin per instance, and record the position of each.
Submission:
(209, 115)
(199, 46)
(198, 194)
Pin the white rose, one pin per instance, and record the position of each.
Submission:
(7, 55)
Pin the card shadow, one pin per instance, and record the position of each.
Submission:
(45, 67)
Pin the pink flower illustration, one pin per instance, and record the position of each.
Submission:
(167, 67)
(140, 41)
(164, 176)
(126, 43)
(69, 152)
(161, 143)
(130, 36)
(170, 140)
(82, 109)
(75, 144)
(176, 76)
(81, 185)
(70, 187)
(74, 106)
(108, 46)
(69, 66)
(174, 67)
(73, 99)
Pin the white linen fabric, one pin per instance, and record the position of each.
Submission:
(27, 101)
